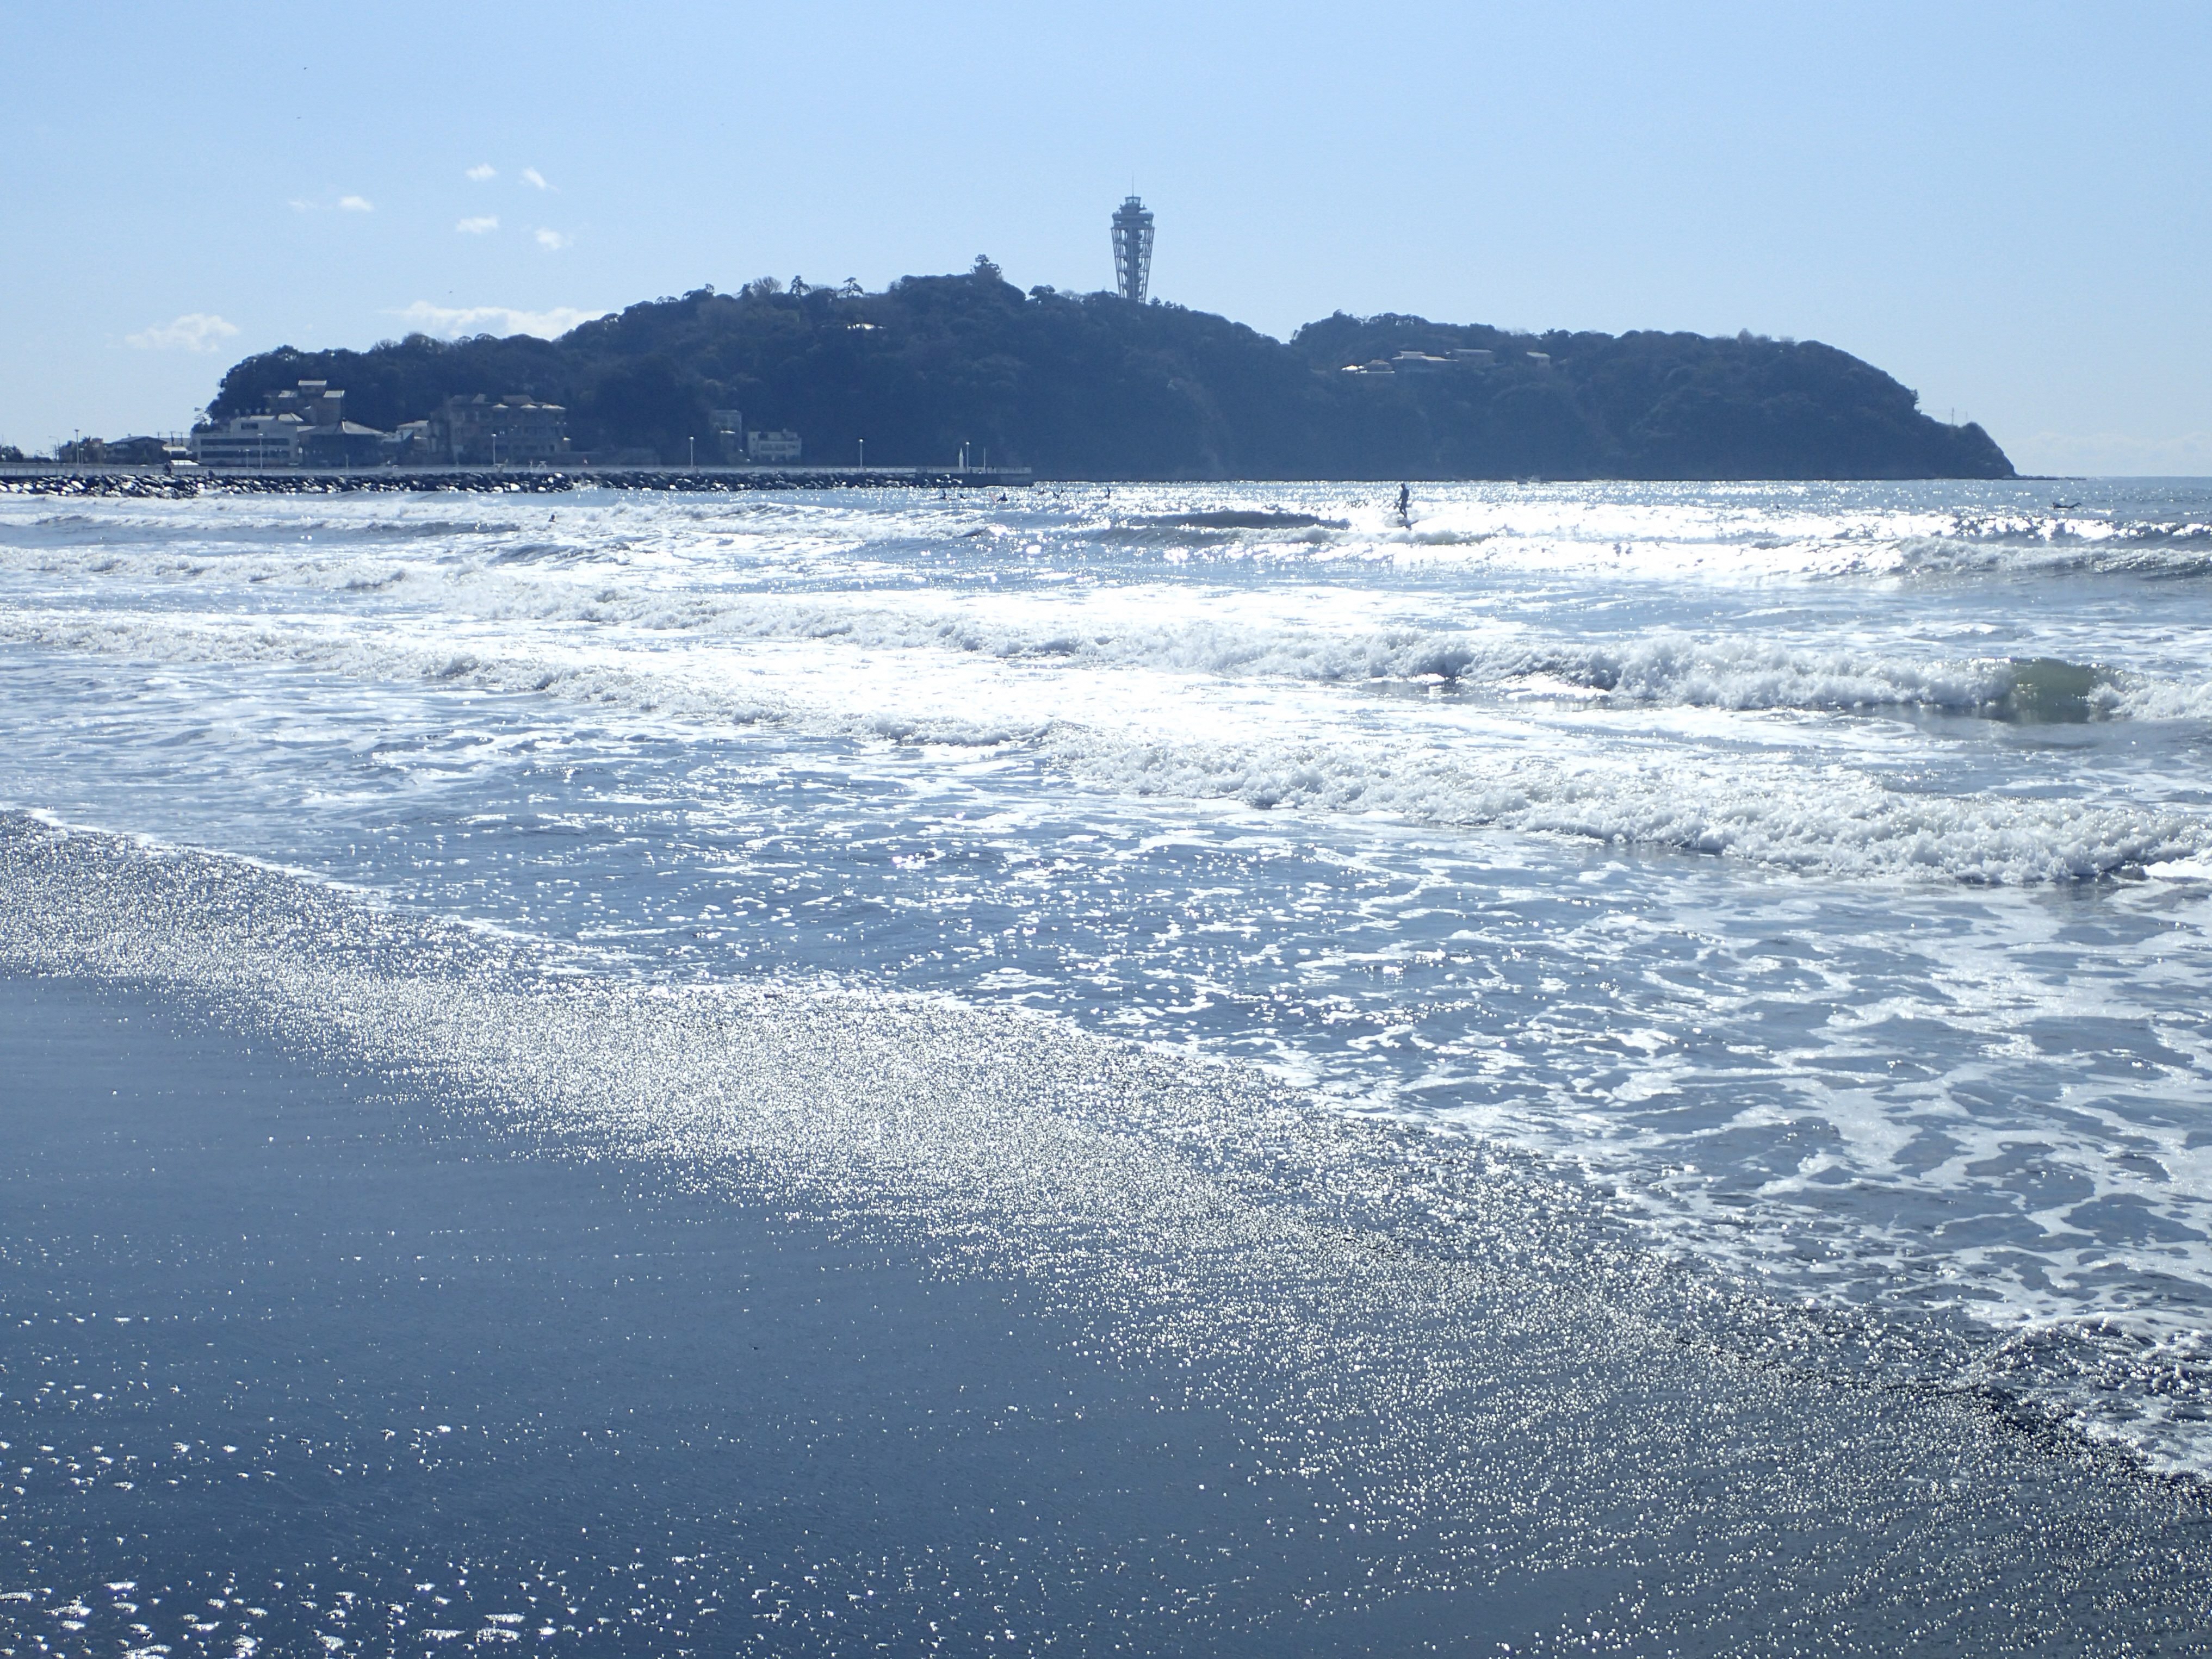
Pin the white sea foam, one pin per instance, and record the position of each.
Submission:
(1784, 818)
(1776, 812)
(1882, 1044)
(1322, 639)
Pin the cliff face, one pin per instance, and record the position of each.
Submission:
(1091, 386)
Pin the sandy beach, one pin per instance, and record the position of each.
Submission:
(638, 1322)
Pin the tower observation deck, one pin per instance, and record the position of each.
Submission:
(1132, 249)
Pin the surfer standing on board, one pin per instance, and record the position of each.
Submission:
(1405, 505)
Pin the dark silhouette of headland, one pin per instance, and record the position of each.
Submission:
(1092, 385)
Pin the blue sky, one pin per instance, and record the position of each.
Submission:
(2006, 206)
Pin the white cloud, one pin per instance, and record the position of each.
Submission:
(454, 321)
(478, 227)
(482, 171)
(299, 206)
(356, 204)
(533, 177)
(552, 240)
(196, 331)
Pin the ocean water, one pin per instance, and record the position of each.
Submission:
(1818, 876)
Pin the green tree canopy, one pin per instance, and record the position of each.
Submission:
(1089, 385)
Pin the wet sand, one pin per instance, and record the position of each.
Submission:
(642, 1324)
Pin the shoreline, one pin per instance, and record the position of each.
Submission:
(1431, 1445)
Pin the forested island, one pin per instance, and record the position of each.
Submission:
(1091, 386)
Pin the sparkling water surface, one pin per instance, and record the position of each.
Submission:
(1823, 870)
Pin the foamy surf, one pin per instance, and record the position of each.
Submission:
(1769, 804)
(1820, 871)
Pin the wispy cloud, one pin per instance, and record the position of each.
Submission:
(482, 171)
(478, 227)
(196, 331)
(356, 204)
(552, 240)
(454, 321)
(534, 179)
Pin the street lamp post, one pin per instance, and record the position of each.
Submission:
(864, 454)
(694, 442)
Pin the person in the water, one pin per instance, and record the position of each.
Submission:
(1405, 504)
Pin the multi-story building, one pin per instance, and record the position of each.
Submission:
(317, 402)
(513, 430)
(771, 447)
(303, 426)
(255, 442)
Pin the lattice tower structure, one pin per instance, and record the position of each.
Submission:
(1132, 249)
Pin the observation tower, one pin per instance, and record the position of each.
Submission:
(1132, 249)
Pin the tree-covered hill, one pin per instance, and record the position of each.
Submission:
(1090, 385)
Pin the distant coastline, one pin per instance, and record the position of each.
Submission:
(61, 478)
(941, 375)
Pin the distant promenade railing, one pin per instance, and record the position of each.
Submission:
(159, 479)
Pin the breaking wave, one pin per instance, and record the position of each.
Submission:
(1778, 812)
(1829, 822)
